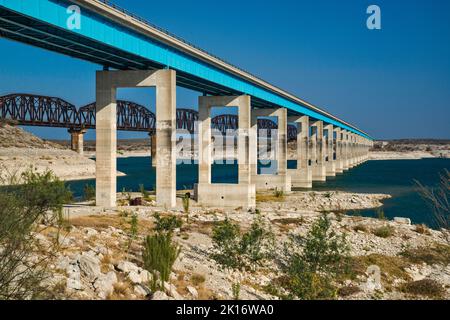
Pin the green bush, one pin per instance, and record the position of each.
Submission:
(312, 264)
(384, 231)
(278, 193)
(186, 201)
(166, 224)
(233, 250)
(159, 256)
(144, 192)
(38, 199)
(88, 192)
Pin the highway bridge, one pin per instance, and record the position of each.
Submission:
(134, 53)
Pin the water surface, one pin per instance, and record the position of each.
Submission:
(394, 177)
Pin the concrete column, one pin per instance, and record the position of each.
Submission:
(153, 149)
(106, 140)
(352, 150)
(302, 176)
(281, 180)
(319, 172)
(243, 193)
(77, 140)
(344, 150)
(338, 161)
(330, 163)
(312, 145)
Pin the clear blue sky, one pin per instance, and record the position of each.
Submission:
(392, 83)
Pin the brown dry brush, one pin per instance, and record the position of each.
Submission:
(438, 200)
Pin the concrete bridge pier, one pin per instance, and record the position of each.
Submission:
(302, 176)
(338, 161)
(242, 194)
(153, 149)
(330, 162)
(280, 180)
(77, 140)
(319, 171)
(107, 83)
(353, 150)
(345, 150)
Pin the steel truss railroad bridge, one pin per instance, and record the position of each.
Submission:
(45, 111)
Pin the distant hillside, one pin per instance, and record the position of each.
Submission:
(15, 137)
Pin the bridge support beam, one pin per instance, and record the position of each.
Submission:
(319, 172)
(243, 193)
(302, 176)
(77, 140)
(330, 163)
(107, 83)
(280, 180)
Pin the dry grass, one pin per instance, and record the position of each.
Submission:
(267, 197)
(197, 279)
(106, 221)
(437, 254)
(360, 227)
(390, 267)
(204, 227)
(349, 290)
(384, 231)
(122, 291)
(426, 287)
(422, 229)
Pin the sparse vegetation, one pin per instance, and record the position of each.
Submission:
(278, 193)
(380, 214)
(422, 229)
(236, 290)
(186, 202)
(166, 224)
(197, 279)
(133, 229)
(426, 287)
(437, 254)
(384, 231)
(22, 208)
(233, 250)
(145, 193)
(438, 199)
(159, 256)
(88, 192)
(312, 264)
(360, 227)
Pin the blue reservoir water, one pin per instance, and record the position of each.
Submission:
(394, 177)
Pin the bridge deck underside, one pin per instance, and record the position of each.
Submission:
(23, 29)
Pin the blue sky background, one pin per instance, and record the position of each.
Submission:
(392, 83)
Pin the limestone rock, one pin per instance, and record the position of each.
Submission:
(126, 266)
(401, 220)
(73, 284)
(134, 277)
(159, 295)
(90, 265)
(104, 285)
(193, 292)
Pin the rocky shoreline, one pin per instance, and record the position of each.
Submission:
(93, 262)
